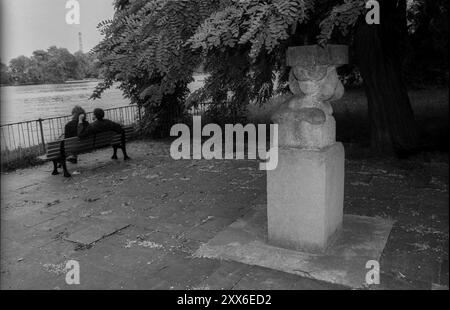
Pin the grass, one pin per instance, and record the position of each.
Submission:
(430, 109)
(26, 157)
(20, 157)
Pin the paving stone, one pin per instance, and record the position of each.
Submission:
(92, 277)
(35, 218)
(437, 287)
(63, 206)
(29, 276)
(52, 224)
(183, 272)
(258, 278)
(95, 231)
(226, 276)
(225, 190)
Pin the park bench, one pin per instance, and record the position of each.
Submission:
(58, 151)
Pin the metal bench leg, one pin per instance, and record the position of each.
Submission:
(115, 152)
(125, 155)
(124, 147)
(55, 167)
(63, 159)
(66, 173)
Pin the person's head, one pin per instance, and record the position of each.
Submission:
(77, 111)
(99, 114)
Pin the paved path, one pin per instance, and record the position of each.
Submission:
(151, 213)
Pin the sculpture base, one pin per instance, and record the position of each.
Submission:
(344, 262)
(318, 136)
(308, 136)
(305, 196)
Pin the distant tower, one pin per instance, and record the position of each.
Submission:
(80, 42)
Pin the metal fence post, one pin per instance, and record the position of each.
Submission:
(139, 113)
(42, 135)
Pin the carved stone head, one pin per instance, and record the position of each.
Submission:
(314, 73)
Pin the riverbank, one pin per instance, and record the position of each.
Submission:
(65, 82)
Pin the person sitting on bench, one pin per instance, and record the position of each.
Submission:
(71, 128)
(102, 125)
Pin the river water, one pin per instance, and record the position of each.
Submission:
(30, 102)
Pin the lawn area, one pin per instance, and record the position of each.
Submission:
(430, 107)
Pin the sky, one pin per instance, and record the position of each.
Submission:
(28, 25)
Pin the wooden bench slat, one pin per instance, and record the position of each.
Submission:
(53, 147)
(120, 138)
(85, 148)
(75, 145)
(90, 140)
(79, 151)
(77, 140)
(78, 147)
(97, 143)
(53, 152)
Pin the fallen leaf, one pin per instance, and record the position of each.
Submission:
(49, 204)
(152, 176)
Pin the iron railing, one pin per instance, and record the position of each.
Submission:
(28, 139)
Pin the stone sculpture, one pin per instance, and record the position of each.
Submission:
(306, 119)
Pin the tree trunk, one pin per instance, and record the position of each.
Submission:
(392, 125)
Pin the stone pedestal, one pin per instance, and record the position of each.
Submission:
(305, 193)
(305, 196)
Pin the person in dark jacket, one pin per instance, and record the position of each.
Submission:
(99, 125)
(71, 128)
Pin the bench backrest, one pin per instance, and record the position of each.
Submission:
(75, 145)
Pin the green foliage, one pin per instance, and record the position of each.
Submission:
(342, 16)
(227, 89)
(244, 47)
(55, 65)
(87, 65)
(23, 70)
(426, 61)
(262, 24)
(144, 51)
(152, 47)
(5, 77)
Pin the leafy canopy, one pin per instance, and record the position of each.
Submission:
(262, 24)
(151, 48)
